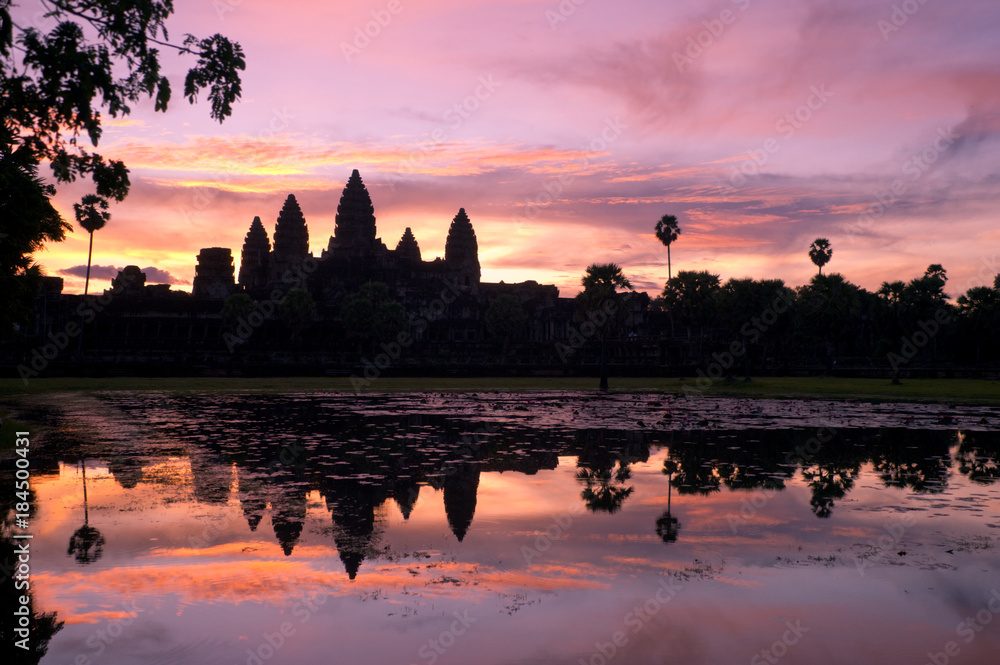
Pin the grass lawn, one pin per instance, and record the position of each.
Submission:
(966, 391)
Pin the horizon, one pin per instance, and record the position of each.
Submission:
(577, 126)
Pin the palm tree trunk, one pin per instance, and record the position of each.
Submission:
(603, 386)
(83, 470)
(90, 251)
(669, 272)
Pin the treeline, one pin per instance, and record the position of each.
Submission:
(747, 324)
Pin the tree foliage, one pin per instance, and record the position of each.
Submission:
(604, 289)
(100, 56)
(601, 282)
(29, 221)
(820, 252)
(667, 230)
(297, 310)
(370, 314)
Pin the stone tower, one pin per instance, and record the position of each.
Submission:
(408, 249)
(129, 282)
(214, 276)
(256, 257)
(461, 251)
(291, 240)
(354, 233)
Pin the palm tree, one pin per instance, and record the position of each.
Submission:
(667, 231)
(92, 214)
(601, 284)
(820, 252)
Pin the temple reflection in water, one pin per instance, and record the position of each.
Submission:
(359, 463)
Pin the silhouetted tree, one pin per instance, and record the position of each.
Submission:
(236, 308)
(29, 220)
(603, 284)
(829, 307)
(979, 312)
(667, 231)
(297, 310)
(371, 315)
(101, 55)
(91, 214)
(755, 312)
(692, 297)
(820, 253)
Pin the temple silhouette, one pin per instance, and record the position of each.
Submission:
(138, 327)
(354, 256)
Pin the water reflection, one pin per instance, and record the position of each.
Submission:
(20, 645)
(359, 463)
(668, 526)
(400, 498)
(87, 543)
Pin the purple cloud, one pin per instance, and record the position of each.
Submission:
(153, 275)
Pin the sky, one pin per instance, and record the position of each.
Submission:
(567, 129)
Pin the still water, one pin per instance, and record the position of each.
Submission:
(556, 528)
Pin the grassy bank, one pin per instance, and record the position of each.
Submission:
(966, 391)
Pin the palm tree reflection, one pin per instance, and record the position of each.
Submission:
(668, 526)
(605, 491)
(829, 482)
(86, 543)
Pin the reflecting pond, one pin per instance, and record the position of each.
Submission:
(488, 528)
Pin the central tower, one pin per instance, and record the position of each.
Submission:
(354, 233)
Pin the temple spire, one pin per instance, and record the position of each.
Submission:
(256, 257)
(461, 250)
(355, 224)
(291, 239)
(407, 249)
